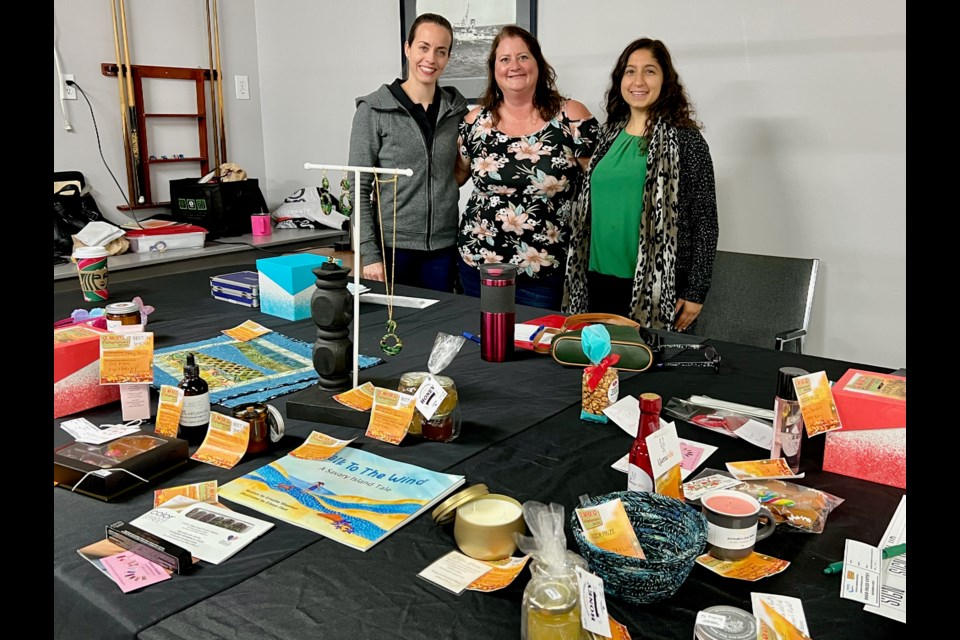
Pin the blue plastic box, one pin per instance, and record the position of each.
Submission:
(287, 284)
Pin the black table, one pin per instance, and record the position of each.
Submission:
(521, 436)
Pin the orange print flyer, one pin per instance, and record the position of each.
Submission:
(502, 573)
(752, 568)
(319, 446)
(126, 358)
(390, 416)
(816, 403)
(770, 469)
(226, 441)
(247, 331)
(168, 411)
(359, 398)
(199, 491)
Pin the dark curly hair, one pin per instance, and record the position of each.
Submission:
(546, 99)
(672, 105)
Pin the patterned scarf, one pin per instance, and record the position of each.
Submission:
(654, 285)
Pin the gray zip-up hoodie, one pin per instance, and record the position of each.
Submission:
(384, 134)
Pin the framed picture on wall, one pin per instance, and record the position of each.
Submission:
(475, 24)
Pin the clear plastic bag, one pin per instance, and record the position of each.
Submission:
(792, 504)
(551, 600)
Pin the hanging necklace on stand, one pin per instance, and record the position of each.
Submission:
(390, 343)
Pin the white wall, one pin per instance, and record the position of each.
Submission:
(804, 107)
(171, 33)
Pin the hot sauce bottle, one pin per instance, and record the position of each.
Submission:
(640, 474)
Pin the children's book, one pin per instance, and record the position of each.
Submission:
(354, 497)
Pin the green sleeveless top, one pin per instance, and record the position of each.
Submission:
(616, 203)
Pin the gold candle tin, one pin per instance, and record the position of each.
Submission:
(484, 523)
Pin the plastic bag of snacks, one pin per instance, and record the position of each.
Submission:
(601, 384)
(791, 504)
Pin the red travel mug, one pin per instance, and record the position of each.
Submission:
(498, 287)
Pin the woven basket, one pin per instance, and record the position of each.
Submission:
(672, 535)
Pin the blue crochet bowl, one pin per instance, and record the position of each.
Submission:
(672, 535)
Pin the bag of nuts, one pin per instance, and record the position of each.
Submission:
(601, 385)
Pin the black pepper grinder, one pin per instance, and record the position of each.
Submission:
(195, 415)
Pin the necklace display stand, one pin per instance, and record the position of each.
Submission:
(333, 343)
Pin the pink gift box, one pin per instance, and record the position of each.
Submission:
(76, 371)
(875, 455)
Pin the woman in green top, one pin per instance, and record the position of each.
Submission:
(644, 232)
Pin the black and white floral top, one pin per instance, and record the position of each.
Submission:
(523, 191)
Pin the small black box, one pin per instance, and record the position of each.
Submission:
(223, 208)
(146, 545)
(95, 469)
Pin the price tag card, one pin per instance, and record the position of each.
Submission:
(429, 396)
(126, 357)
(319, 446)
(85, 431)
(593, 604)
(390, 416)
(665, 459)
(454, 572)
(860, 580)
(816, 403)
(225, 443)
(359, 398)
(502, 573)
(769, 469)
(130, 571)
(247, 331)
(756, 433)
(168, 411)
(780, 617)
(752, 568)
(199, 491)
(695, 488)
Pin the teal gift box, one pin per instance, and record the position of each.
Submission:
(287, 284)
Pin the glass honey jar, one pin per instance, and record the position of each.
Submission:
(120, 314)
(444, 424)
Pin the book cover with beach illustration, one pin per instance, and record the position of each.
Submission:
(353, 497)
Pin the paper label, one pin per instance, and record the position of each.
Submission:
(781, 615)
(756, 433)
(593, 604)
(816, 403)
(85, 431)
(733, 539)
(359, 398)
(502, 573)
(247, 331)
(168, 411)
(454, 572)
(695, 488)
(134, 401)
(126, 357)
(860, 579)
(752, 568)
(769, 469)
(319, 446)
(638, 479)
(390, 416)
(607, 526)
(199, 491)
(665, 458)
(707, 619)
(877, 385)
(225, 443)
(429, 396)
(196, 410)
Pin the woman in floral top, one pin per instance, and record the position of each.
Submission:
(525, 148)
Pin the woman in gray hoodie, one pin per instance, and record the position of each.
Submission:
(411, 124)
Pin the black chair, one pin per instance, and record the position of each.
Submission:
(764, 301)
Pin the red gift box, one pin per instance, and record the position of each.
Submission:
(872, 445)
(76, 371)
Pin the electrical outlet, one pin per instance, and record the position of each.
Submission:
(243, 87)
(69, 91)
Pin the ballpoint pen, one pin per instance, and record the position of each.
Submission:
(470, 336)
(889, 552)
(534, 335)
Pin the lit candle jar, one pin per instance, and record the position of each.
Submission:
(485, 526)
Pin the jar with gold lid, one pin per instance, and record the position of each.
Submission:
(120, 314)
(444, 424)
(551, 608)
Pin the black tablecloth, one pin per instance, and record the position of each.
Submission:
(521, 436)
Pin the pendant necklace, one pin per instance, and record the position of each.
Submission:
(390, 343)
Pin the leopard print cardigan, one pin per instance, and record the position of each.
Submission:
(678, 235)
